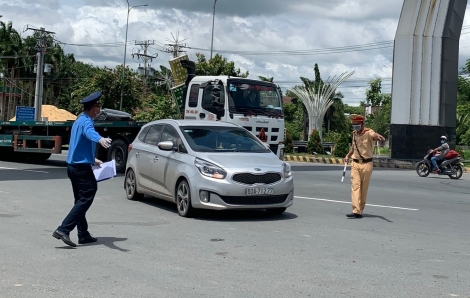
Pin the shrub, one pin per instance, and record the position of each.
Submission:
(288, 143)
(314, 143)
(461, 152)
(343, 146)
(332, 136)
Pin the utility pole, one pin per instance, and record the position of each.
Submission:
(213, 20)
(145, 58)
(176, 46)
(41, 49)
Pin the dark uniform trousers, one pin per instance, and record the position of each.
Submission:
(84, 187)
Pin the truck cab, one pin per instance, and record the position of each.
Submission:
(253, 104)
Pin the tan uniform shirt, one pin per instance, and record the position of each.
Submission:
(365, 144)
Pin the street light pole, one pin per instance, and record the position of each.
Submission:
(213, 19)
(125, 50)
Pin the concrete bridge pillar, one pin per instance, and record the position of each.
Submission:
(425, 73)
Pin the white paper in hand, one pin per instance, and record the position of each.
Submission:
(106, 171)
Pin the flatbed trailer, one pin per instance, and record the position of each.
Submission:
(38, 140)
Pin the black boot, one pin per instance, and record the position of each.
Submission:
(354, 215)
(87, 239)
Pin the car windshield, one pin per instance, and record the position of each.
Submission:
(254, 98)
(222, 139)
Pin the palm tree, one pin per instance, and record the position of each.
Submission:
(265, 79)
(165, 78)
(61, 72)
(317, 98)
(11, 47)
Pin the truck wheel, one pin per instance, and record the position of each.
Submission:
(38, 157)
(118, 152)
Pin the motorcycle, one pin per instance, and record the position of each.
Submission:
(452, 167)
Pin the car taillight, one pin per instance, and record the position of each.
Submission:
(129, 148)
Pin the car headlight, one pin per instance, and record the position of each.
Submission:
(209, 170)
(287, 170)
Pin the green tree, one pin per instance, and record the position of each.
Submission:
(293, 119)
(157, 107)
(374, 92)
(314, 144)
(353, 110)
(380, 118)
(335, 120)
(463, 107)
(108, 81)
(217, 66)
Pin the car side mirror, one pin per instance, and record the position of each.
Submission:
(166, 145)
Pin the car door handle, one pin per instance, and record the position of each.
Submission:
(155, 158)
(137, 154)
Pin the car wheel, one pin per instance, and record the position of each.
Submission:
(276, 211)
(131, 186)
(183, 199)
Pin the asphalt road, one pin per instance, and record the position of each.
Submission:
(413, 242)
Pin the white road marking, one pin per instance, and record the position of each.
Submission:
(5, 168)
(344, 202)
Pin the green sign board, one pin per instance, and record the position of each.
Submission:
(177, 93)
(6, 140)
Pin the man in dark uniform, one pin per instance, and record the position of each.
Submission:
(80, 159)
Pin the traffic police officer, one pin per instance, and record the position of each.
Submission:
(80, 159)
(361, 167)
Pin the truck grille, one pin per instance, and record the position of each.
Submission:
(256, 200)
(248, 178)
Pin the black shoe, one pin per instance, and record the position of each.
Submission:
(354, 215)
(64, 237)
(87, 239)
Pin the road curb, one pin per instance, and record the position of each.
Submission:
(377, 162)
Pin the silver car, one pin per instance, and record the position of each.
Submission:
(207, 165)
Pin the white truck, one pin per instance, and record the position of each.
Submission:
(253, 104)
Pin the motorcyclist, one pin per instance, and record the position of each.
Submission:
(441, 153)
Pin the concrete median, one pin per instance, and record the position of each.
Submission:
(379, 162)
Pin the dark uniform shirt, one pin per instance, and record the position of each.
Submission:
(83, 141)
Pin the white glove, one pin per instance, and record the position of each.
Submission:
(105, 142)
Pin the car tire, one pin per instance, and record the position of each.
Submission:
(276, 211)
(130, 185)
(118, 152)
(183, 199)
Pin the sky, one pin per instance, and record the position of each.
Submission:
(270, 38)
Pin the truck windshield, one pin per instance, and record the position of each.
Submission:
(254, 98)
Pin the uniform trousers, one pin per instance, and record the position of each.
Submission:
(360, 177)
(84, 188)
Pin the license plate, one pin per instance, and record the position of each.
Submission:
(259, 191)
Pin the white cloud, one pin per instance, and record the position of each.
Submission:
(275, 26)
